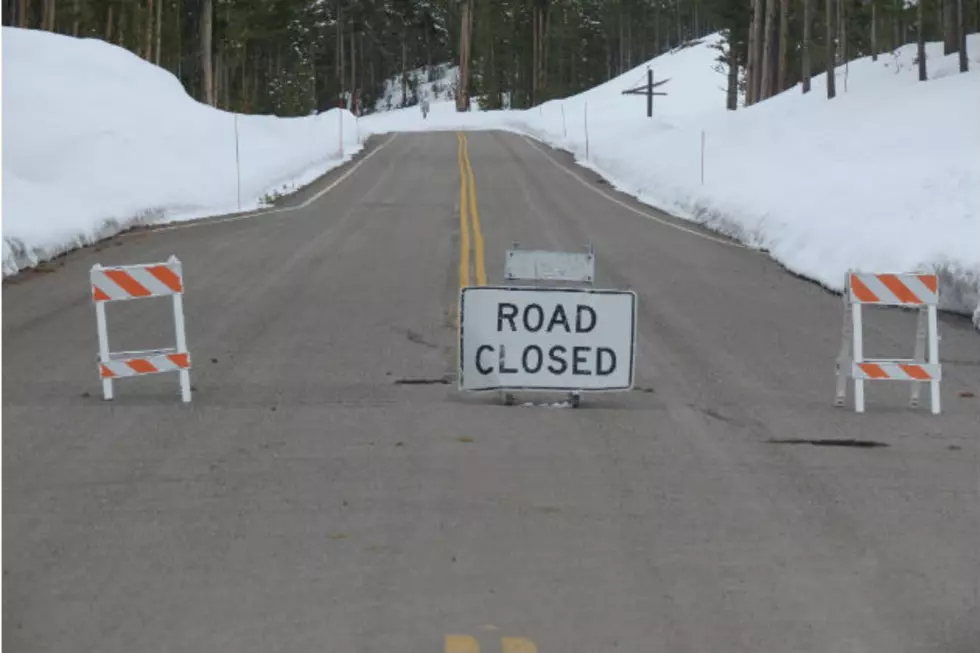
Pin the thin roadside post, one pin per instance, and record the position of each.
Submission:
(238, 166)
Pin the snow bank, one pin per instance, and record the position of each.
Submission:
(95, 139)
(886, 177)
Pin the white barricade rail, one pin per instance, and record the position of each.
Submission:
(121, 283)
(910, 290)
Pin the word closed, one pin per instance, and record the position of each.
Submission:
(546, 339)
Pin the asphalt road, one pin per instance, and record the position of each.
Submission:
(311, 500)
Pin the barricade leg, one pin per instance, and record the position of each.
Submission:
(858, 352)
(934, 356)
(843, 359)
(100, 322)
(185, 375)
(920, 355)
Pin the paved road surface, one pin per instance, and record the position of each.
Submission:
(308, 501)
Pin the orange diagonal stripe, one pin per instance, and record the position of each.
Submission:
(128, 283)
(166, 276)
(99, 295)
(141, 366)
(894, 284)
(873, 370)
(916, 372)
(861, 291)
(180, 360)
(106, 372)
(930, 281)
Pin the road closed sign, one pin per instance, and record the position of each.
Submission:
(546, 339)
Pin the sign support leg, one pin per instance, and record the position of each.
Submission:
(100, 322)
(919, 356)
(858, 349)
(185, 375)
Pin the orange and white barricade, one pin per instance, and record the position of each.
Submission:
(139, 282)
(910, 290)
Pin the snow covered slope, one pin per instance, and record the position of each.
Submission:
(96, 139)
(886, 177)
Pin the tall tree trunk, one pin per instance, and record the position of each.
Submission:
(404, 70)
(22, 13)
(148, 34)
(47, 19)
(656, 31)
(961, 36)
(353, 64)
(731, 99)
(207, 63)
(340, 50)
(121, 30)
(545, 30)
(76, 17)
(466, 27)
(534, 54)
(842, 34)
(830, 50)
(219, 82)
(874, 30)
(158, 37)
(783, 65)
(680, 34)
(897, 25)
(754, 69)
(921, 37)
(807, 42)
(774, 53)
(767, 52)
(950, 31)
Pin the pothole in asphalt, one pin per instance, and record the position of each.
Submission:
(859, 444)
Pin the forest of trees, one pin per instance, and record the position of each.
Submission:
(294, 57)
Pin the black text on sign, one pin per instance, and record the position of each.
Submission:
(546, 339)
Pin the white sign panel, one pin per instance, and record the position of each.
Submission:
(536, 265)
(546, 339)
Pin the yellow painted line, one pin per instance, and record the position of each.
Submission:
(464, 227)
(517, 645)
(479, 262)
(461, 644)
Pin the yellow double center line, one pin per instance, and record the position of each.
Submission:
(469, 237)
